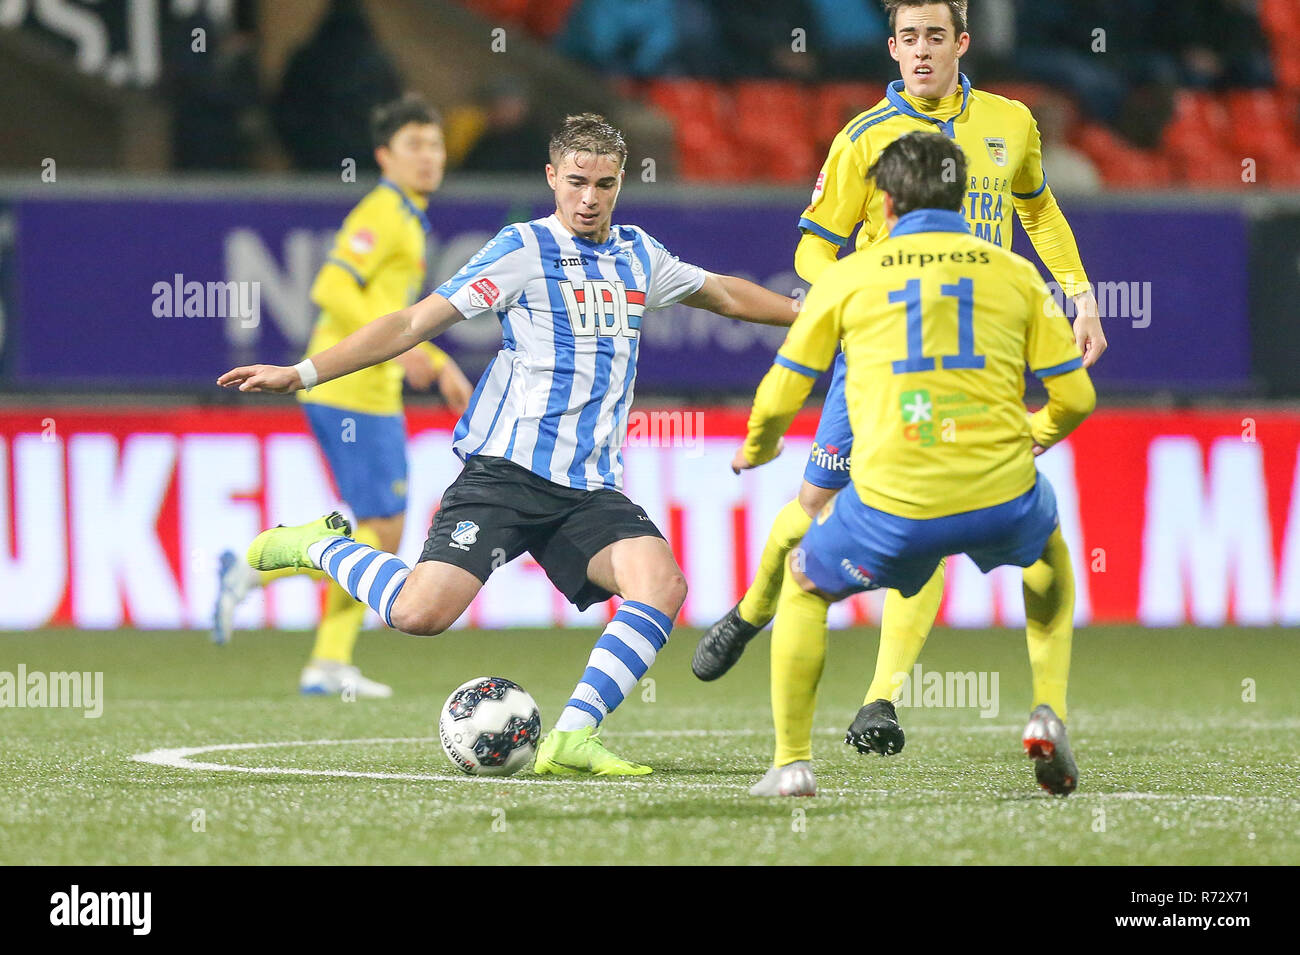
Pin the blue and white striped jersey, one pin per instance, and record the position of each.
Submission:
(555, 398)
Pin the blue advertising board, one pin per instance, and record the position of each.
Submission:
(119, 292)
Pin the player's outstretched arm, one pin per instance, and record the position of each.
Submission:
(375, 342)
(737, 298)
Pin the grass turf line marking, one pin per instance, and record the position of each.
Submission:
(179, 758)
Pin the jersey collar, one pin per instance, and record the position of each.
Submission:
(408, 202)
(895, 96)
(929, 220)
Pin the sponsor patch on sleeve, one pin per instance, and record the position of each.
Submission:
(483, 293)
(362, 242)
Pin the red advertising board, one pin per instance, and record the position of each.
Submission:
(116, 517)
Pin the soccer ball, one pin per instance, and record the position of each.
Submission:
(490, 727)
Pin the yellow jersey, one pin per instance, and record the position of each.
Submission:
(938, 326)
(1005, 155)
(376, 266)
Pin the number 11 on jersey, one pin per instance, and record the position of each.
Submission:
(910, 295)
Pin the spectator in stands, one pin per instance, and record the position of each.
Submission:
(1068, 170)
(624, 37)
(1221, 44)
(1108, 55)
(756, 40)
(322, 112)
(850, 38)
(212, 85)
(513, 139)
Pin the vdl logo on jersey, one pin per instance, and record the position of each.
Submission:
(603, 308)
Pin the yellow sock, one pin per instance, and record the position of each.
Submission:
(798, 653)
(266, 576)
(905, 622)
(1049, 622)
(340, 625)
(759, 602)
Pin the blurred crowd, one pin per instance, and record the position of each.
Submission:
(1119, 63)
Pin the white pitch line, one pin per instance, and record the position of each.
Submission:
(179, 758)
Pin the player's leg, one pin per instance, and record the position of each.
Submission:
(905, 623)
(826, 473)
(329, 668)
(1049, 626)
(1026, 534)
(609, 546)
(367, 458)
(798, 655)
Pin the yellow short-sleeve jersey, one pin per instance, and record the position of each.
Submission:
(938, 326)
(375, 266)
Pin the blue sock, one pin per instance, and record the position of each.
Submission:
(371, 576)
(622, 655)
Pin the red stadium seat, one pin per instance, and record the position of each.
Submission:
(1028, 93)
(1120, 164)
(701, 112)
(1264, 127)
(773, 129)
(1281, 18)
(834, 104)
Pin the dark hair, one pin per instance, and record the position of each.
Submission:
(387, 118)
(956, 7)
(922, 171)
(587, 133)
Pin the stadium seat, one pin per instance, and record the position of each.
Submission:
(834, 104)
(1028, 93)
(1120, 164)
(701, 112)
(1264, 126)
(773, 129)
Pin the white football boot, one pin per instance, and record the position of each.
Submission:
(234, 581)
(329, 678)
(792, 779)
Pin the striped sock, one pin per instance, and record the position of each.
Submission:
(623, 654)
(371, 576)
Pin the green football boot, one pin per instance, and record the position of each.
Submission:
(576, 752)
(287, 546)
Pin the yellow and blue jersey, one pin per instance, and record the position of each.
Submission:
(375, 266)
(1003, 149)
(937, 327)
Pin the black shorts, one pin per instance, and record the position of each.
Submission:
(495, 510)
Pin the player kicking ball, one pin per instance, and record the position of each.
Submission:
(932, 317)
(542, 437)
(375, 266)
(1004, 174)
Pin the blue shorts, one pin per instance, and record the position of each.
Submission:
(367, 455)
(828, 466)
(856, 547)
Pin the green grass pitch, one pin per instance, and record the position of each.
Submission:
(1176, 767)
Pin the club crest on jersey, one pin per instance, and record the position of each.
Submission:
(465, 534)
(997, 147)
(598, 307)
(483, 294)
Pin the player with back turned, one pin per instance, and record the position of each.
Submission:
(1001, 142)
(930, 318)
(376, 265)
